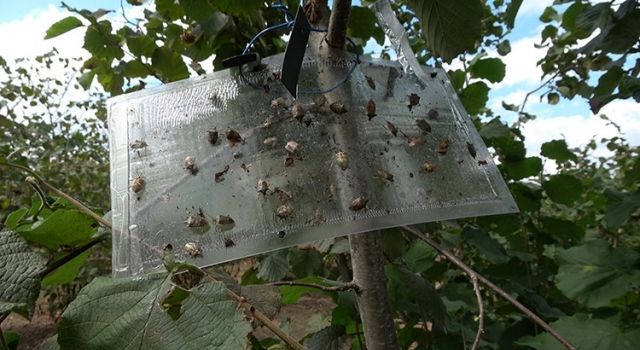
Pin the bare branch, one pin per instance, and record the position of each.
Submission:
(476, 288)
(344, 287)
(338, 23)
(469, 271)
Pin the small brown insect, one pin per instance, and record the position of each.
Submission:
(263, 186)
(224, 220)
(482, 162)
(266, 124)
(228, 243)
(443, 146)
(293, 147)
(190, 164)
(278, 102)
(318, 218)
(385, 175)
(237, 155)
(284, 211)
(342, 159)
(371, 109)
(281, 234)
(138, 144)
(219, 176)
(333, 192)
(193, 249)
(319, 101)
(429, 167)
(233, 137)
(338, 107)
(358, 203)
(246, 167)
(472, 150)
(288, 161)
(283, 195)
(188, 37)
(137, 184)
(423, 125)
(416, 141)
(433, 114)
(297, 111)
(270, 141)
(371, 82)
(414, 100)
(392, 128)
(212, 136)
(198, 220)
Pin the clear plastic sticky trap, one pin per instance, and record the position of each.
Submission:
(221, 170)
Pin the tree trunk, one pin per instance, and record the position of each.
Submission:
(366, 251)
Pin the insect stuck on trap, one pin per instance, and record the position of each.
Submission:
(428, 167)
(270, 141)
(342, 159)
(190, 165)
(284, 211)
(423, 125)
(263, 186)
(298, 112)
(293, 147)
(233, 137)
(443, 146)
(414, 100)
(212, 136)
(371, 109)
(137, 184)
(338, 107)
(193, 249)
(384, 175)
(197, 221)
(359, 203)
(225, 222)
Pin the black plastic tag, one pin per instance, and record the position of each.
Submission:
(294, 54)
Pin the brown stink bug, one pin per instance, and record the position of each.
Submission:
(392, 128)
(224, 220)
(233, 137)
(416, 141)
(371, 109)
(433, 114)
(138, 145)
(279, 102)
(342, 159)
(472, 150)
(263, 186)
(370, 82)
(358, 203)
(482, 162)
(266, 124)
(443, 146)
(270, 141)
(293, 147)
(219, 176)
(384, 175)
(423, 125)
(212, 136)
(198, 220)
(413, 100)
(228, 243)
(284, 211)
(338, 108)
(193, 249)
(297, 111)
(284, 196)
(190, 164)
(137, 184)
(429, 167)
(288, 161)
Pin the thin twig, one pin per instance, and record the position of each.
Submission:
(469, 271)
(2, 341)
(251, 310)
(344, 287)
(71, 255)
(476, 288)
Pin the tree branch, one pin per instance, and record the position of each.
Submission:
(71, 255)
(338, 23)
(469, 271)
(476, 289)
(342, 288)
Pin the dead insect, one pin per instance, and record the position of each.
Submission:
(443, 146)
(338, 107)
(342, 160)
(193, 249)
(138, 144)
(333, 192)
(233, 137)
(392, 128)
(433, 114)
(472, 150)
(358, 203)
(297, 111)
(284, 211)
(223, 220)
(423, 125)
(212, 136)
(190, 164)
(371, 109)
(371, 82)
(246, 167)
(413, 100)
(385, 175)
(283, 196)
(219, 176)
(266, 123)
(318, 218)
(281, 234)
(228, 243)
(280, 101)
(198, 220)
(429, 167)
(416, 141)
(137, 184)
(263, 186)
(288, 161)
(293, 147)
(482, 162)
(270, 141)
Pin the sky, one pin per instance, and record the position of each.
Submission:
(23, 24)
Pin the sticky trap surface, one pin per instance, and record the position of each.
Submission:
(396, 152)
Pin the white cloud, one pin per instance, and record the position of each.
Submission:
(522, 63)
(534, 7)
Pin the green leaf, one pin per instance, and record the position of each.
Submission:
(305, 262)
(522, 168)
(169, 9)
(512, 11)
(485, 244)
(563, 188)
(563, 229)
(549, 14)
(62, 26)
(557, 150)
(15, 217)
(632, 175)
(527, 197)
(624, 34)
(141, 45)
(197, 9)
(291, 294)
(62, 227)
(420, 256)
(620, 207)
(329, 338)
(413, 294)
(12, 339)
(594, 273)
(457, 78)
(494, 129)
(136, 69)
(132, 316)
(86, 79)
(492, 69)
(608, 81)
(450, 27)
(362, 23)
(474, 97)
(274, 266)
(237, 8)
(99, 40)
(169, 64)
(504, 48)
(19, 275)
(67, 272)
(585, 334)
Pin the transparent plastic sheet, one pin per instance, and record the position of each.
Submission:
(309, 198)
